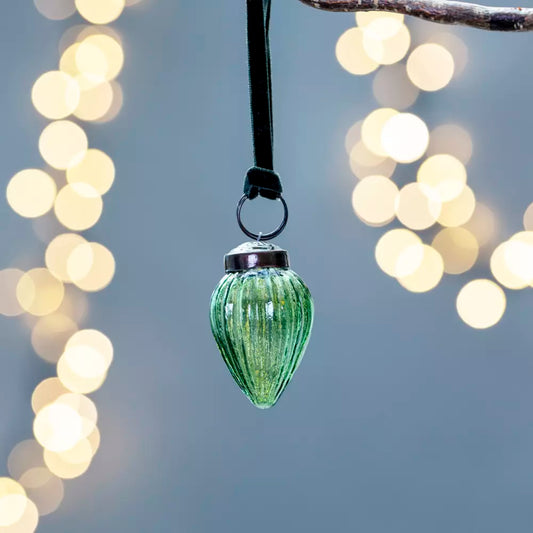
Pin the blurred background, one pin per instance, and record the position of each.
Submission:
(405, 156)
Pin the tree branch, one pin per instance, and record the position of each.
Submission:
(442, 11)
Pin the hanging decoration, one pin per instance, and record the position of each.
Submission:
(261, 311)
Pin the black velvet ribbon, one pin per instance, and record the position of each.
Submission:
(261, 179)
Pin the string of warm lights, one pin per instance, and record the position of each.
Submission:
(64, 198)
(455, 226)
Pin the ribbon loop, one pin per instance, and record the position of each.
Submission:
(261, 180)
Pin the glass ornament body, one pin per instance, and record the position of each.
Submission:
(261, 318)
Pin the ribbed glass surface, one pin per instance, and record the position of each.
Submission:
(262, 320)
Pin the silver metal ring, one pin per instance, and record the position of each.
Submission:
(263, 236)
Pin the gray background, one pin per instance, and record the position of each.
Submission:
(400, 419)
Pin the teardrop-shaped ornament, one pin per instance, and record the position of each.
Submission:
(261, 318)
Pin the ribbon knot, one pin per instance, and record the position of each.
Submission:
(262, 182)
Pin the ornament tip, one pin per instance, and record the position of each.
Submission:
(263, 406)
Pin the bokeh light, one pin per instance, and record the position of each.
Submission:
(24, 456)
(458, 248)
(74, 381)
(100, 11)
(91, 266)
(91, 62)
(46, 393)
(427, 275)
(512, 261)
(519, 258)
(61, 425)
(430, 67)
(87, 67)
(95, 102)
(28, 522)
(445, 174)
(391, 246)
(63, 144)
(372, 130)
(43, 488)
(385, 47)
(58, 252)
(55, 95)
(78, 206)
(374, 200)
(502, 269)
(85, 362)
(67, 61)
(83, 31)
(55, 9)
(96, 169)
(116, 104)
(528, 218)
(482, 224)
(112, 50)
(405, 137)
(451, 139)
(362, 156)
(523, 236)
(58, 427)
(95, 439)
(392, 88)
(94, 339)
(93, 59)
(39, 292)
(456, 46)
(417, 206)
(481, 303)
(85, 408)
(353, 136)
(31, 193)
(13, 501)
(458, 211)
(409, 260)
(50, 334)
(351, 54)
(364, 163)
(71, 463)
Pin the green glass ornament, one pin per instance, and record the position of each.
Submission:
(261, 318)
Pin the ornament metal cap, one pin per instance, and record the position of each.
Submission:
(256, 255)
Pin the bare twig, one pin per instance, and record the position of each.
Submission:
(443, 11)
